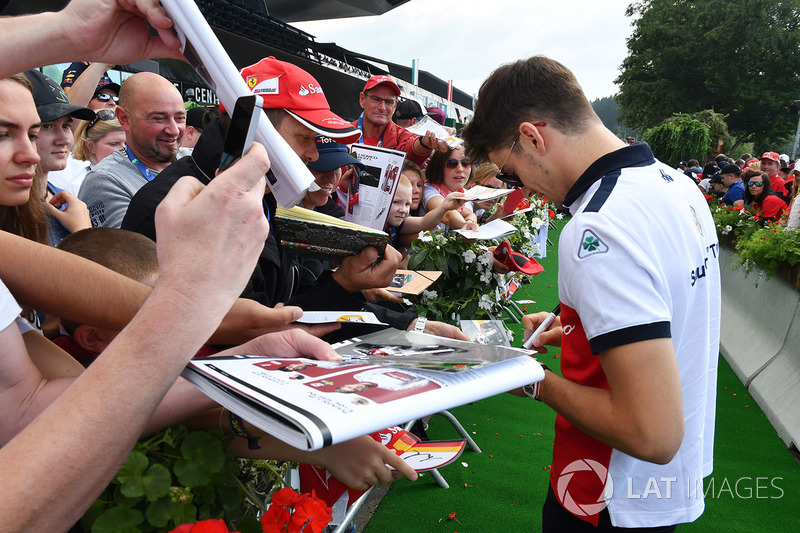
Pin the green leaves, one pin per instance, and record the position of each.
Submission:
(178, 476)
(202, 458)
(139, 479)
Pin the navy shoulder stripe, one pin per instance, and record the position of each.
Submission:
(607, 184)
(643, 332)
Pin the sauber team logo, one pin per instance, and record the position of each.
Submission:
(591, 244)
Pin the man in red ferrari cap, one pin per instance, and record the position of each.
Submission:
(379, 100)
(290, 92)
(771, 163)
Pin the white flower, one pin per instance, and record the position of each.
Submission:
(486, 276)
(537, 223)
(559, 216)
(425, 237)
(486, 259)
(469, 256)
(485, 303)
(429, 295)
(727, 230)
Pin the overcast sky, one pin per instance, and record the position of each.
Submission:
(464, 40)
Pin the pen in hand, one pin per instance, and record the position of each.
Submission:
(542, 327)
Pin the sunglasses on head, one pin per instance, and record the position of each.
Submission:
(755, 183)
(105, 97)
(453, 162)
(102, 114)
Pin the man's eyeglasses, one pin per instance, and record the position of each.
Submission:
(755, 183)
(510, 178)
(453, 163)
(102, 114)
(105, 97)
(390, 102)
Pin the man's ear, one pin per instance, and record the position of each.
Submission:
(123, 117)
(93, 339)
(533, 134)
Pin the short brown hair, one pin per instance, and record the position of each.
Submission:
(125, 252)
(434, 172)
(533, 89)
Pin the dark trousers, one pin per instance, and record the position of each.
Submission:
(556, 519)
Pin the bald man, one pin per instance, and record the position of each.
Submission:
(153, 117)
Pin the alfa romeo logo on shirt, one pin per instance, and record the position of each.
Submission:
(591, 244)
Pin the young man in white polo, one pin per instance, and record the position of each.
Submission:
(639, 286)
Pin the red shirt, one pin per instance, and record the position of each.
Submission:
(778, 185)
(398, 138)
(771, 207)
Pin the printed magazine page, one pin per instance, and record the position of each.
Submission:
(310, 404)
(493, 230)
(376, 185)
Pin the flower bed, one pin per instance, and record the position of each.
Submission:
(468, 287)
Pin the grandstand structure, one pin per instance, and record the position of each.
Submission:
(253, 29)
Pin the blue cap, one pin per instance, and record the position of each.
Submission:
(332, 155)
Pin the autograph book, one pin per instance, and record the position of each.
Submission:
(310, 404)
(307, 232)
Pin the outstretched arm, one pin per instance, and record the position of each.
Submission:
(429, 221)
(75, 446)
(111, 31)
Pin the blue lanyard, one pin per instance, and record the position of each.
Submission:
(361, 127)
(146, 172)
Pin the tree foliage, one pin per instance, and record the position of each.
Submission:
(737, 57)
(679, 138)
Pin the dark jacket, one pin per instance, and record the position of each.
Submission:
(276, 277)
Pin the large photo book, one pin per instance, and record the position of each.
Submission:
(384, 379)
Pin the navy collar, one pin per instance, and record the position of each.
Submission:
(633, 155)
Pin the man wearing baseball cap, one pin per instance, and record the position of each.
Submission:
(409, 112)
(290, 92)
(770, 163)
(89, 84)
(328, 172)
(378, 99)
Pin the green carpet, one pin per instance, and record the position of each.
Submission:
(502, 489)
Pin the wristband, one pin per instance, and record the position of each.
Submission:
(419, 327)
(237, 428)
(534, 389)
(423, 145)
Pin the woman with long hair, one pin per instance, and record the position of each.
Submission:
(448, 172)
(761, 197)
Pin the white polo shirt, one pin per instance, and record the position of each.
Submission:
(638, 261)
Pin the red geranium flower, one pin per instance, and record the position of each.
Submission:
(205, 526)
(551, 213)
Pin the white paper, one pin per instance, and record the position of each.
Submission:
(310, 404)
(205, 53)
(324, 317)
(495, 229)
(375, 194)
(428, 124)
(481, 194)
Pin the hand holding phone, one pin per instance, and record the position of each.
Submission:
(242, 130)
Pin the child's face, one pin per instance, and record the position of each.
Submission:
(416, 187)
(401, 206)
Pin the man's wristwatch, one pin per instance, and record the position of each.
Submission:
(533, 389)
(419, 327)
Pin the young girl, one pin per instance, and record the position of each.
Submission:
(400, 223)
(448, 172)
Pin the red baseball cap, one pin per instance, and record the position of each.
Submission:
(286, 86)
(374, 81)
(772, 156)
